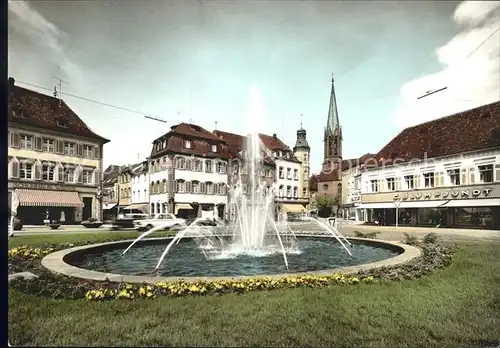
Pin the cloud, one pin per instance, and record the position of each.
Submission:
(471, 79)
(41, 31)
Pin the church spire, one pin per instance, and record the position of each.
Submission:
(332, 123)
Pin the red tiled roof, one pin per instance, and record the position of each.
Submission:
(43, 111)
(237, 143)
(472, 130)
(274, 143)
(201, 142)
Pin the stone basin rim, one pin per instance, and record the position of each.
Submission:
(55, 263)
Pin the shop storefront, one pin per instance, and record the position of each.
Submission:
(466, 207)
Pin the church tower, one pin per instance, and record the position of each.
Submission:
(302, 151)
(332, 151)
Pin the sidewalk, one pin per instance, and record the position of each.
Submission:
(397, 233)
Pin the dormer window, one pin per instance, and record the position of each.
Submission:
(164, 144)
(214, 148)
(62, 124)
(187, 144)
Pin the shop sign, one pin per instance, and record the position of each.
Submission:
(451, 194)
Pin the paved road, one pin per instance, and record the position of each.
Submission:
(347, 228)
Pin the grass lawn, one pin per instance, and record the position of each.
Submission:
(456, 306)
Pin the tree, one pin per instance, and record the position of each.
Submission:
(326, 203)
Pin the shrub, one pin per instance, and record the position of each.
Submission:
(434, 255)
(410, 239)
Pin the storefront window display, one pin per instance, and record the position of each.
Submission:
(480, 217)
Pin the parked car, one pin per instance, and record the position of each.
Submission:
(166, 221)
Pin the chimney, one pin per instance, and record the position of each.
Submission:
(11, 81)
(274, 135)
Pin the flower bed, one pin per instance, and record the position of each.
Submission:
(434, 255)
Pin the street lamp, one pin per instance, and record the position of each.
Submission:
(397, 203)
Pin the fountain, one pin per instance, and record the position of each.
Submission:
(253, 231)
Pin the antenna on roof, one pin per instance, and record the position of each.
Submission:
(60, 89)
(215, 125)
(301, 115)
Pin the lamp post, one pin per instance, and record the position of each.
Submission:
(397, 203)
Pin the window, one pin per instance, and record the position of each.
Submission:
(428, 179)
(214, 148)
(295, 174)
(187, 144)
(235, 169)
(198, 166)
(69, 175)
(181, 186)
(454, 175)
(221, 168)
(196, 187)
(180, 163)
(47, 172)
(391, 185)
(69, 149)
(87, 151)
(210, 188)
(281, 193)
(486, 173)
(26, 142)
(410, 181)
(208, 167)
(282, 173)
(304, 192)
(289, 173)
(289, 191)
(48, 145)
(25, 170)
(325, 187)
(87, 176)
(295, 192)
(374, 185)
(305, 157)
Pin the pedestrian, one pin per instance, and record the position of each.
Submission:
(62, 219)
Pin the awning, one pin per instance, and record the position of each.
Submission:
(293, 208)
(106, 206)
(421, 204)
(138, 206)
(43, 198)
(376, 206)
(487, 202)
(180, 206)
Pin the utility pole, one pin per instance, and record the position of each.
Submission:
(61, 81)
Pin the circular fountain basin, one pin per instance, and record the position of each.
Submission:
(315, 255)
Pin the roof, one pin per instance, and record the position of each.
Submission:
(110, 175)
(301, 142)
(273, 143)
(471, 130)
(236, 144)
(326, 175)
(35, 109)
(332, 124)
(201, 142)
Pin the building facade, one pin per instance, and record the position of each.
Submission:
(54, 160)
(302, 152)
(188, 172)
(238, 169)
(110, 192)
(124, 187)
(139, 186)
(441, 173)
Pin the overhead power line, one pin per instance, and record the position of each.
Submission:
(145, 114)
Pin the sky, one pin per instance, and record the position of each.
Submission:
(197, 61)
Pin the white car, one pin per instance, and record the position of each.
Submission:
(164, 221)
